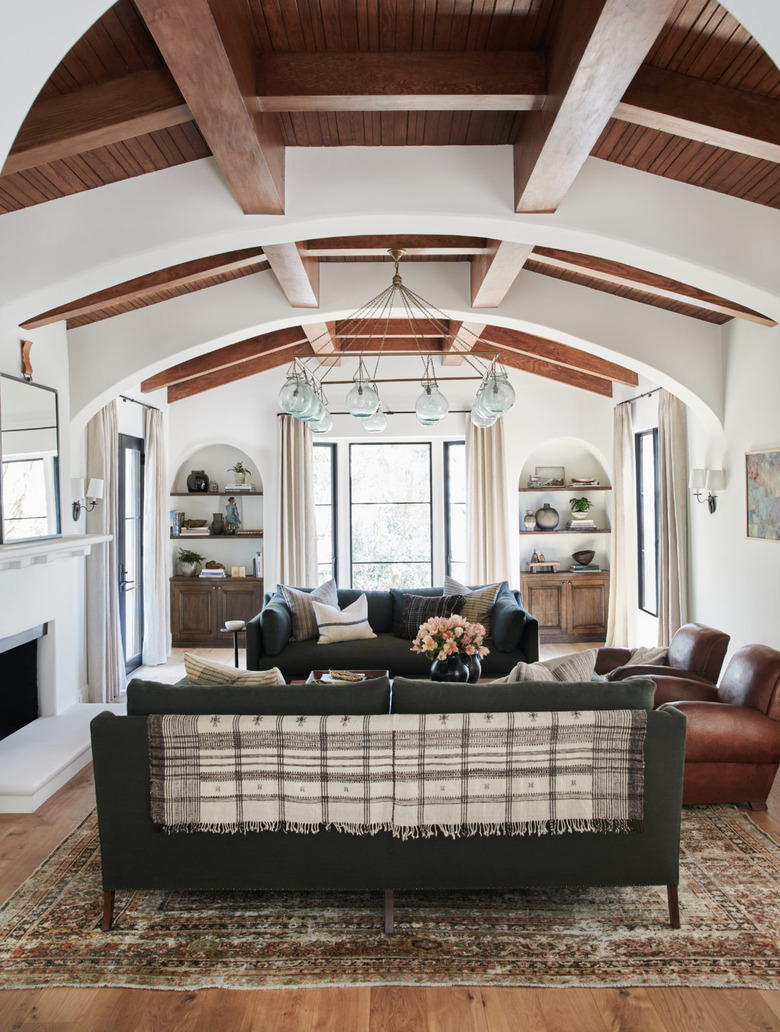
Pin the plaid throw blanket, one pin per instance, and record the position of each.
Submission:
(414, 775)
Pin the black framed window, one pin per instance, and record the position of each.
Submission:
(455, 508)
(391, 532)
(325, 510)
(646, 444)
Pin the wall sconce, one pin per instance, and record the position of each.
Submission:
(94, 493)
(709, 480)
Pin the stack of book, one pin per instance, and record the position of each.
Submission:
(581, 568)
(584, 482)
(237, 489)
(589, 525)
(212, 574)
(177, 518)
(197, 531)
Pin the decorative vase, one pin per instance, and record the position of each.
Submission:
(474, 664)
(218, 523)
(229, 527)
(189, 569)
(240, 478)
(529, 520)
(547, 518)
(453, 668)
(197, 481)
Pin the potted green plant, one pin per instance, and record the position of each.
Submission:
(580, 507)
(240, 470)
(189, 562)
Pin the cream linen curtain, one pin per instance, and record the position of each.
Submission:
(157, 623)
(297, 531)
(672, 516)
(486, 504)
(105, 655)
(623, 572)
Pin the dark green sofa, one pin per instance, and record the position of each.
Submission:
(515, 638)
(135, 856)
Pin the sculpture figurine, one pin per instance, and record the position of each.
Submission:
(232, 517)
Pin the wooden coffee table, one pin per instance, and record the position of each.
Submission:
(316, 675)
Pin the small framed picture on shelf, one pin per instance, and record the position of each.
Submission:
(551, 476)
(238, 571)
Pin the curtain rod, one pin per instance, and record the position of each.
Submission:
(645, 395)
(135, 401)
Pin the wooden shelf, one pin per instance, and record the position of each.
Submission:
(216, 494)
(537, 490)
(216, 537)
(571, 533)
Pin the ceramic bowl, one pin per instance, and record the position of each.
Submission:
(234, 625)
(584, 557)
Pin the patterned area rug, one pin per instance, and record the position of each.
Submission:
(730, 907)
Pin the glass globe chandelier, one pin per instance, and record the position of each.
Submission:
(370, 327)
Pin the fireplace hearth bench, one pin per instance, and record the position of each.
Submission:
(137, 856)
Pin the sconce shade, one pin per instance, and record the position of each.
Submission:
(94, 488)
(697, 479)
(714, 480)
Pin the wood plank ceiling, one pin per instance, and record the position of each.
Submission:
(688, 95)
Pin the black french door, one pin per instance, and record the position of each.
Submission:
(130, 547)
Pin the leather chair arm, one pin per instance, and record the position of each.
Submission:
(720, 733)
(609, 658)
(676, 689)
(653, 670)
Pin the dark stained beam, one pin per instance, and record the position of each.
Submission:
(493, 273)
(561, 374)
(261, 364)
(639, 279)
(142, 286)
(348, 328)
(553, 352)
(699, 110)
(594, 54)
(97, 116)
(213, 65)
(224, 358)
(298, 275)
(378, 246)
(397, 81)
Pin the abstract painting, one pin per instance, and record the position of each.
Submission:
(763, 494)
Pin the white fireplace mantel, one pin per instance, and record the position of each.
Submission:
(48, 550)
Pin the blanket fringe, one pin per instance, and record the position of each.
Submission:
(599, 825)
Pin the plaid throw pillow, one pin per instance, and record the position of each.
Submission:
(206, 672)
(419, 608)
(300, 603)
(343, 624)
(477, 604)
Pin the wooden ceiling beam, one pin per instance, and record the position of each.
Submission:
(251, 367)
(97, 116)
(561, 374)
(639, 279)
(493, 273)
(224, 358)
(552, 351)
(323, 342)
(735, 120)
(152, 283)
(213, 65)
(378, 246)
(401, 81)
(464, 339)
(594, 54)
(351, 328)
(297, 273)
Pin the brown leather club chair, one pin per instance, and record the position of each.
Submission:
(732, 748)
(695, 652)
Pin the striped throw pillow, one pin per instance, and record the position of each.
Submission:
(419, 608)
(478, 604)
(343, 624)
(575, 666)
(300, 603)
(206, 672)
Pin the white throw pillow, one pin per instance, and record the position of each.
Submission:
(575, 666)
(202, 671)
(343, 624)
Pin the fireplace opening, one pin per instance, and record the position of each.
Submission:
(19, 680)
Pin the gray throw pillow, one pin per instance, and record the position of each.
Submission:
(419, 608)
(477, 602)
(304, 620)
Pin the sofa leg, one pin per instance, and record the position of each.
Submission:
(674, 905)
(108, 910)
(389, 912)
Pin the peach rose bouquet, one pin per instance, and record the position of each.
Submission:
(444, 636)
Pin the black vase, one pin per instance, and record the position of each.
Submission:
(197, 481)
(474, 664)
(453, 668)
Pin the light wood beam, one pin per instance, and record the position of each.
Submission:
(699, 110)
(213, 65)
(97, 116)
(152, 283)
(552, 351)
(323, 342)
(298, 275)
(410, 81)
(561, 374)
(378, 246)
(639, 279)
(224, 358)
(595, 52)
(464, 338)
(270, 359)
(493, 273)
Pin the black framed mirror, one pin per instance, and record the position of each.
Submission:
(29, 453)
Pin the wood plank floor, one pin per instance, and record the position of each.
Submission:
(27, 839)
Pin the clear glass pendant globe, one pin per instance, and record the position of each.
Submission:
(499, 395)
(323, 424)
(315, 412)
(481, 420)
(431, 406)
(362, 400)
(296, 396)
(377, 423)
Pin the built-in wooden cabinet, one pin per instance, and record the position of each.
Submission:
(200, 607)
(568, 606)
